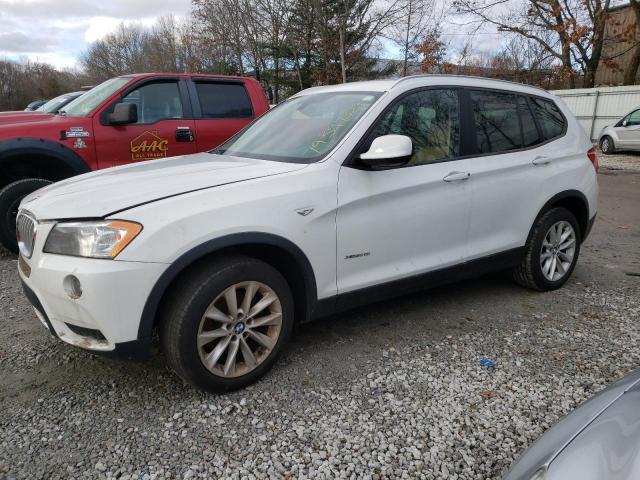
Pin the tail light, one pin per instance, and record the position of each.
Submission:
(593, 157)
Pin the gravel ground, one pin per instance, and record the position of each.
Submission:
(394, 390)
(628, 161)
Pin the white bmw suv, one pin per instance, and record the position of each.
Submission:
(340, 196)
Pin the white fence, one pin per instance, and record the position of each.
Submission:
(597, 107)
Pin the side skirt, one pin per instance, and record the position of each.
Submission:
(384, 291)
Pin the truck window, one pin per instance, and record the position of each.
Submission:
(156, 101)
(224, 100)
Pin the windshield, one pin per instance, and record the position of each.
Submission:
(303, 129)
(53, 105)
(85, 104)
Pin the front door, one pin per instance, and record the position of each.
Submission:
(397, 223)
(163, 128)
(629, 132)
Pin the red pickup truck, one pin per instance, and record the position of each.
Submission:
(123, 120)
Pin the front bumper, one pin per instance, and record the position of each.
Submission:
(106, 317)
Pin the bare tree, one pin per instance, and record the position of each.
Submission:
(631, 69)
(577, 27)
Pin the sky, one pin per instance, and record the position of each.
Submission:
(58, 31)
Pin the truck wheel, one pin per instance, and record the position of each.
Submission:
(225, 324)
(10, 198)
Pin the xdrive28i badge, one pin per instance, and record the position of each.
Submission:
(149, 145)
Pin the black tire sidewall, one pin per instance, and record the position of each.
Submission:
(191, 365)
(611, 149)
(545, 223)
(9, 195)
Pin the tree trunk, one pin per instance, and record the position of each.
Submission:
(406, 41)
(631, 71)
(343, 67)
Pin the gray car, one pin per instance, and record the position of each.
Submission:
(623, 135)
(599, 440)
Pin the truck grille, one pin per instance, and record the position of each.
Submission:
(26, 230)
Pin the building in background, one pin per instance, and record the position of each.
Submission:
(621, 35)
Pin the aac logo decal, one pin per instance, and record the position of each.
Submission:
(148, 146)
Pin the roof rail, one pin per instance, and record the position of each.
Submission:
(409, 77)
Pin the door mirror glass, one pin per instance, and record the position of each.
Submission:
(123, 113)
(388, 150)
(625, 123)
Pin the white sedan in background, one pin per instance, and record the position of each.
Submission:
(622, 135)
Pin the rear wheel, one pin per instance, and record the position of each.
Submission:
(227, 323)
(551, 252)
(10, 198)
(606, 145)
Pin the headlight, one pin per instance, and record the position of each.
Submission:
(95, 239)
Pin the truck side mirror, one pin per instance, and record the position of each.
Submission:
(123, 113)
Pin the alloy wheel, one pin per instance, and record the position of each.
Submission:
(605, 145)
(239, 329)
(558, 251)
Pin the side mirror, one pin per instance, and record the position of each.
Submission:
(625, 123)
(123, 113)
(388, 151)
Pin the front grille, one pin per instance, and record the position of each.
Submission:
(26, 230)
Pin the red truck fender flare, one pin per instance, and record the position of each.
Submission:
(74, 164)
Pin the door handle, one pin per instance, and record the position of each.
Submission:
(457, 176)
(541, 160)
(184, 134)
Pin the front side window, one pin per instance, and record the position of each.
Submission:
(224, 100)
(497, 122)
(549, 117)
(633, 118)
(302, 129)
(85, 104)
(156, 101)
(430, 118)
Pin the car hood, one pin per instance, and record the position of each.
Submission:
(609, 447)
(111, 190)
(550, 445)
(8, 118)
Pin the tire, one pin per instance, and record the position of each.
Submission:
(531, 271)
(607, 146)
(206, 289)
(10, 198)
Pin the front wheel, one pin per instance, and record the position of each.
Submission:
(551, 252)
(10, 198)
(227, 323)
(606, 145)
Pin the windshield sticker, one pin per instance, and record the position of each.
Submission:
(335, 129)
(76, 132)
(148, 146)
(79, 143)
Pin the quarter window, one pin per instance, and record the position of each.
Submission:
(223, 100)
(156, 101)
(549, 117)
(430, 118)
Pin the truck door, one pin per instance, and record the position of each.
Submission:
(221, 108)
(164, 127)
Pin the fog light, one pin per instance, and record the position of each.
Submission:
(72, 286)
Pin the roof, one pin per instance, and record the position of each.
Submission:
(426, 80)
(184, 75)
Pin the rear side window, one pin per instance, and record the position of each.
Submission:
(549, 117)
(497, 122)
(224, 100)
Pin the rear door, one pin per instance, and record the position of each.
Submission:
(510, 169)
(221, 108)
(165, 125)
